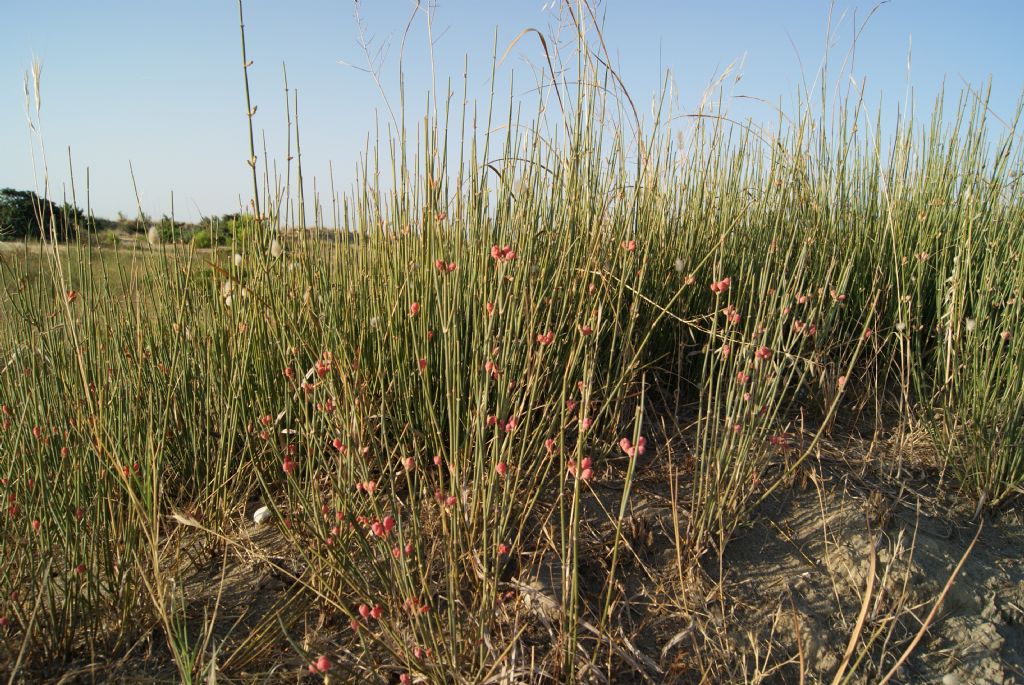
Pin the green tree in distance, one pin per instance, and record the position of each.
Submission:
(23, 214)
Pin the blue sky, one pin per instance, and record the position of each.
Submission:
(158, 84)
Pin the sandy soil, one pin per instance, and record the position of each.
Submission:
(800, 574)
(781, 605)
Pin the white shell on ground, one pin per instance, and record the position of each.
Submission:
(261, 516)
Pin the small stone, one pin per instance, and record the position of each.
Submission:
(261, 516)
(951, 679)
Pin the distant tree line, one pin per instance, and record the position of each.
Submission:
(25, 215)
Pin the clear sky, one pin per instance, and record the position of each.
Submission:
(158, 83)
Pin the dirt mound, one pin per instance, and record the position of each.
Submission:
(799, 577)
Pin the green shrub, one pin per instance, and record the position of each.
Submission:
(203, 239)
(22, 210)
(108, 238)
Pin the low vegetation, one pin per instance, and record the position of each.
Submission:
(456, 417)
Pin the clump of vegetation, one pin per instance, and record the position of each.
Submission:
(449, 413)
(23, 214)
(26, 216)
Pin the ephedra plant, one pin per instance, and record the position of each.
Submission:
(446, 388)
